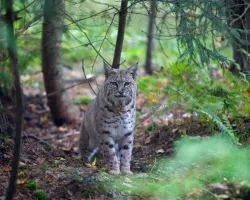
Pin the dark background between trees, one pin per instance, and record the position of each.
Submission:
(53, 35)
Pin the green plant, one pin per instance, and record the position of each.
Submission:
(195, 90)
(5, 79)
(41, 195)
(196, 163)
(82, 100)
(32, 184)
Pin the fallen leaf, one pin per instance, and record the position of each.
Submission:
(193, 192)
(65, 149)
(6, 169)
(92, 164)
(174, 130)
(21, 183)
(83, 107)
(44, 118)
(190, 14)
(152, 98)
(223, 196)
(160, 151)
(62, 129)
(148, 140)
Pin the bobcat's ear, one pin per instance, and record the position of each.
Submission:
(132, 70)
(107, 69)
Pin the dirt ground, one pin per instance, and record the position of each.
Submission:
(50, 164)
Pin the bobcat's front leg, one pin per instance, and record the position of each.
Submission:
(125, 152)
(109, 150)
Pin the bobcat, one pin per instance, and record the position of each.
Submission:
(109, 120)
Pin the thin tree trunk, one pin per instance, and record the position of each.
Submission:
(246, 66)
(59, 104)
(150, 44)
(239, 18)
(120, 34)
(11, 43)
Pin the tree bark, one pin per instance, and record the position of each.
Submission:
(12, 49)
(150, 44)
(239, 18)
(120, 34)
(61, 109)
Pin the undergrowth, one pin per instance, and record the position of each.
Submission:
(216, 95)
(197, 162)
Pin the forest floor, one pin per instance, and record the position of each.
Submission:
(50, 165)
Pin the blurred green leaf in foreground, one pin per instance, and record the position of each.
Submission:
(197, 162)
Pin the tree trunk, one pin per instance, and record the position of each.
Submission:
(11, 44)
(59, 104)
(120, 34)
(148, 64)
(239, 18)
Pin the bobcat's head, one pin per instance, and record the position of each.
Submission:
(120, 86)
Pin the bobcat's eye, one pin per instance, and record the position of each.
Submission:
(114, 84)
(126, 84)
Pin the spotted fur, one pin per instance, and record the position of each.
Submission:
(110, 119)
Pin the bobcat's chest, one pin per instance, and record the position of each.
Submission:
(118, 126)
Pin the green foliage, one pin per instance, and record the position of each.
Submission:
(197, 27)
(82, 100)
(32, 184)
(5, 79)
(196, 163)
(41, 195)
(190, 31)
(58, 161)
(195, 90)
(150, 128)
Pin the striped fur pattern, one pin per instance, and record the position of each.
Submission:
(109, 120)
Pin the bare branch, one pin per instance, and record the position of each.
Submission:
(112, 20)
(90, 43)
(28, 24)
(94, 15)
(62, 90)
(50, 94)
(25, 7)
(86, 77)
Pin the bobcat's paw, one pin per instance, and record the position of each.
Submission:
(126, 171)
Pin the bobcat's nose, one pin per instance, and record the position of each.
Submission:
(121, 94)
(121, 90)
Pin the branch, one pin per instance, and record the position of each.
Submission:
(96, 14)
(86, 77)
(105, 37)
(50, 94)
(25, 7)
(90, 43)
(241, 16)
(59, 91)
(27, 25)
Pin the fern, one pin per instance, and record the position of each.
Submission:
(222, 122)
(223, 127)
